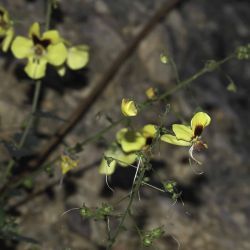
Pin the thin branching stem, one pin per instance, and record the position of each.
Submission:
(28, 127)
(143, 106)
(134, 191)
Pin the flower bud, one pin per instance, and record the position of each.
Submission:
(128, 107)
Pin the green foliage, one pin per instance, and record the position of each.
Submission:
(99, 213)
(149, 237)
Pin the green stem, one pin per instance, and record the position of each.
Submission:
(48, 14)
(201, 72)
(27, 128)
(144, 105)
(31, 118)
(134, 191)
(174, 67)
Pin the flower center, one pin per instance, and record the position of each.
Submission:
(40, 45)
(198, 130)
(39, 50)
(42, 42)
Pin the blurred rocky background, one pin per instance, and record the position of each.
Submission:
(216, 211)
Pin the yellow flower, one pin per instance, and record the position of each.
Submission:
(130, 140)
(128, 107)
(77, 58)
(39, 50)
(151, 93)
(189, 135)
(6, 29)
(113, 156)
(67, 163)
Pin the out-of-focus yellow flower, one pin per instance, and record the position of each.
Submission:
(164, 58)
(128, 107)
(130, 140)
(151, 93)
(6, 29)
(40, 50)
(67, 163)
(113, 156)
(189, 135)
(77, 58)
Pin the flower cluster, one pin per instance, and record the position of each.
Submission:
(6, 29)
(128, 142)
(41, 49)
(124, 150)
(47, 48)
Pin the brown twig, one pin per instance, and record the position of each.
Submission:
(86, 103)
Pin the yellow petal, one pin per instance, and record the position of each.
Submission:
(107, 165)
(124, 159)
(5, 15)
(149, 130)
(107, 168)
(173, 140)
(34, 30)
(21, 47)
(56, 54)
(53, 36)
(67, 163)
(7, 40)
(130, 140)
(35, 68)
(128, 107)
(200, 119)
(182, 132)
(78, 57)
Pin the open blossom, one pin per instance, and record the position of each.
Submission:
(39, 50)
(123, 151)
(6, 29)
(189, 135)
